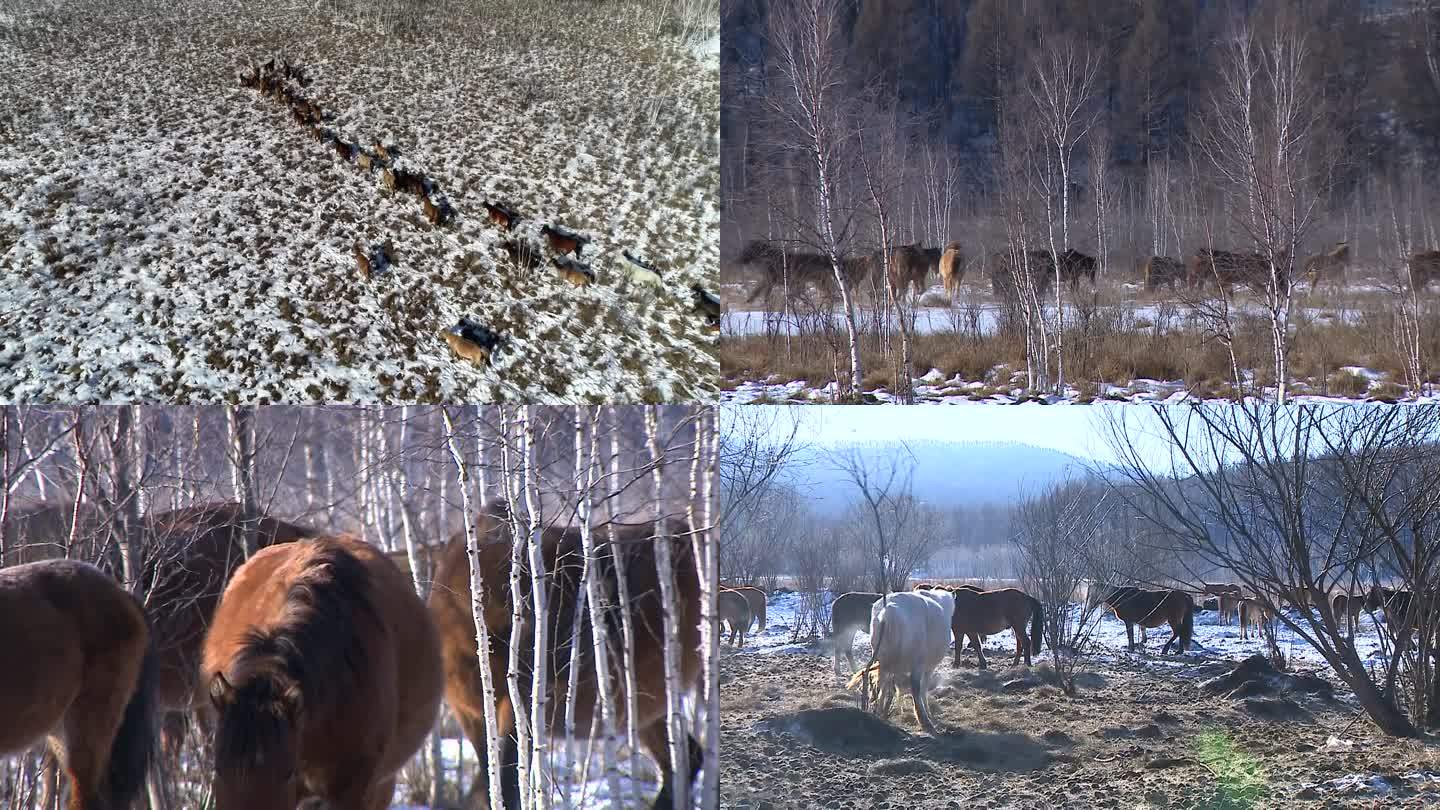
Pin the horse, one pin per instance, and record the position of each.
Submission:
(1007, 283)
(1075, 265)
(979, 613)
(1395, 605)
(1230, 596)
(42, 531)
(1328, 266)
(84, 675)
(777, 264)
(1152, 608)
(1162, 270)
(191, 555)
(1348, 608)
(757, 600)
(563, 240)
(909, 265)
(633, 552)
(952, 268)
(1424, 268)
(498, 212)
(1254, 613)
(848, 613)
(1229, 270)
(909, 634)
(734, 610)
(324, 674)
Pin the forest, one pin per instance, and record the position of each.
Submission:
(174, 504)
(1226, 198)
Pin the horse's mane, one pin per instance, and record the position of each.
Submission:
(309, 658)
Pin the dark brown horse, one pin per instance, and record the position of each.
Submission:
(778, 266)
(1152, 608)
(1424, 268)
(1161, 271)
(979, 613)
(1006, 283)
(633, 552)
(81, 672)
(1075, 265)
(910, 265)
(325, 676)
(849, 613)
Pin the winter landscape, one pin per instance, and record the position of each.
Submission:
(174, 228)
(967, 202)
(1226, 521)
(174, 517)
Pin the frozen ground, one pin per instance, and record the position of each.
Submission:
(168, 234)
(1140, 730)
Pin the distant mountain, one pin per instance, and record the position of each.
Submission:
(945, 473)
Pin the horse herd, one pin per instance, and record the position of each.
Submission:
(909, 267)
(910, 633)
(276, 653)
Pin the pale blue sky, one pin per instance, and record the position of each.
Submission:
(1078, 430)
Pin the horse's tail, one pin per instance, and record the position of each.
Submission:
(873, 661)
(134, 746)
(1187, 629)
(1037, 625)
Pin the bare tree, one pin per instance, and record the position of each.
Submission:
(1299, 501)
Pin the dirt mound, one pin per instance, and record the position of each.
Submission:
(1255, 677)
(839, 730)
(1276, 708)
(901, 767)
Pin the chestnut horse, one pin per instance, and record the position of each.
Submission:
(757, 600)
(324, 672)
(82, 673)
(979, 613)
(631, 555)
(190, 555)
(734, 609)
(1152, 608)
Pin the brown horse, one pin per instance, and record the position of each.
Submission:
(980, 613)
(1228, 270)
(1254, 614)
(1075, 265)
(1152, 608)
(191, 554)
(632, 552)
(1162, 271)
(82, 673)
(849, 613)
(1328, 267)
(325, 676)
(1347, 609)
(734, 610)
(757, 600)
(777, 266)
(952, 269)
(1424, 268)
(1006, 283)
(41, 531)
(909, 266)
(1229, 598)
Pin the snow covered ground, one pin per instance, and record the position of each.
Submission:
(934, 389)
(168, 234)
(1212, 639)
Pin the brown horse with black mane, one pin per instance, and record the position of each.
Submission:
(83, 673)
(979, 613)
(632, 552)
(190, 556)
(324, 672)
(1152, 608)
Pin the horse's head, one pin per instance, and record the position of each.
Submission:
(256, 756)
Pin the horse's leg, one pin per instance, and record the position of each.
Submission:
(922, 709)
(1129, 636)
(1022, 645)
(979, 650)
(655, 739)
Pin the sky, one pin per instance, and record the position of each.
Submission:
(1079, 431)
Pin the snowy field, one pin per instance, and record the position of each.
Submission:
(1212, 639)
(168, 234)
(934, 389)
